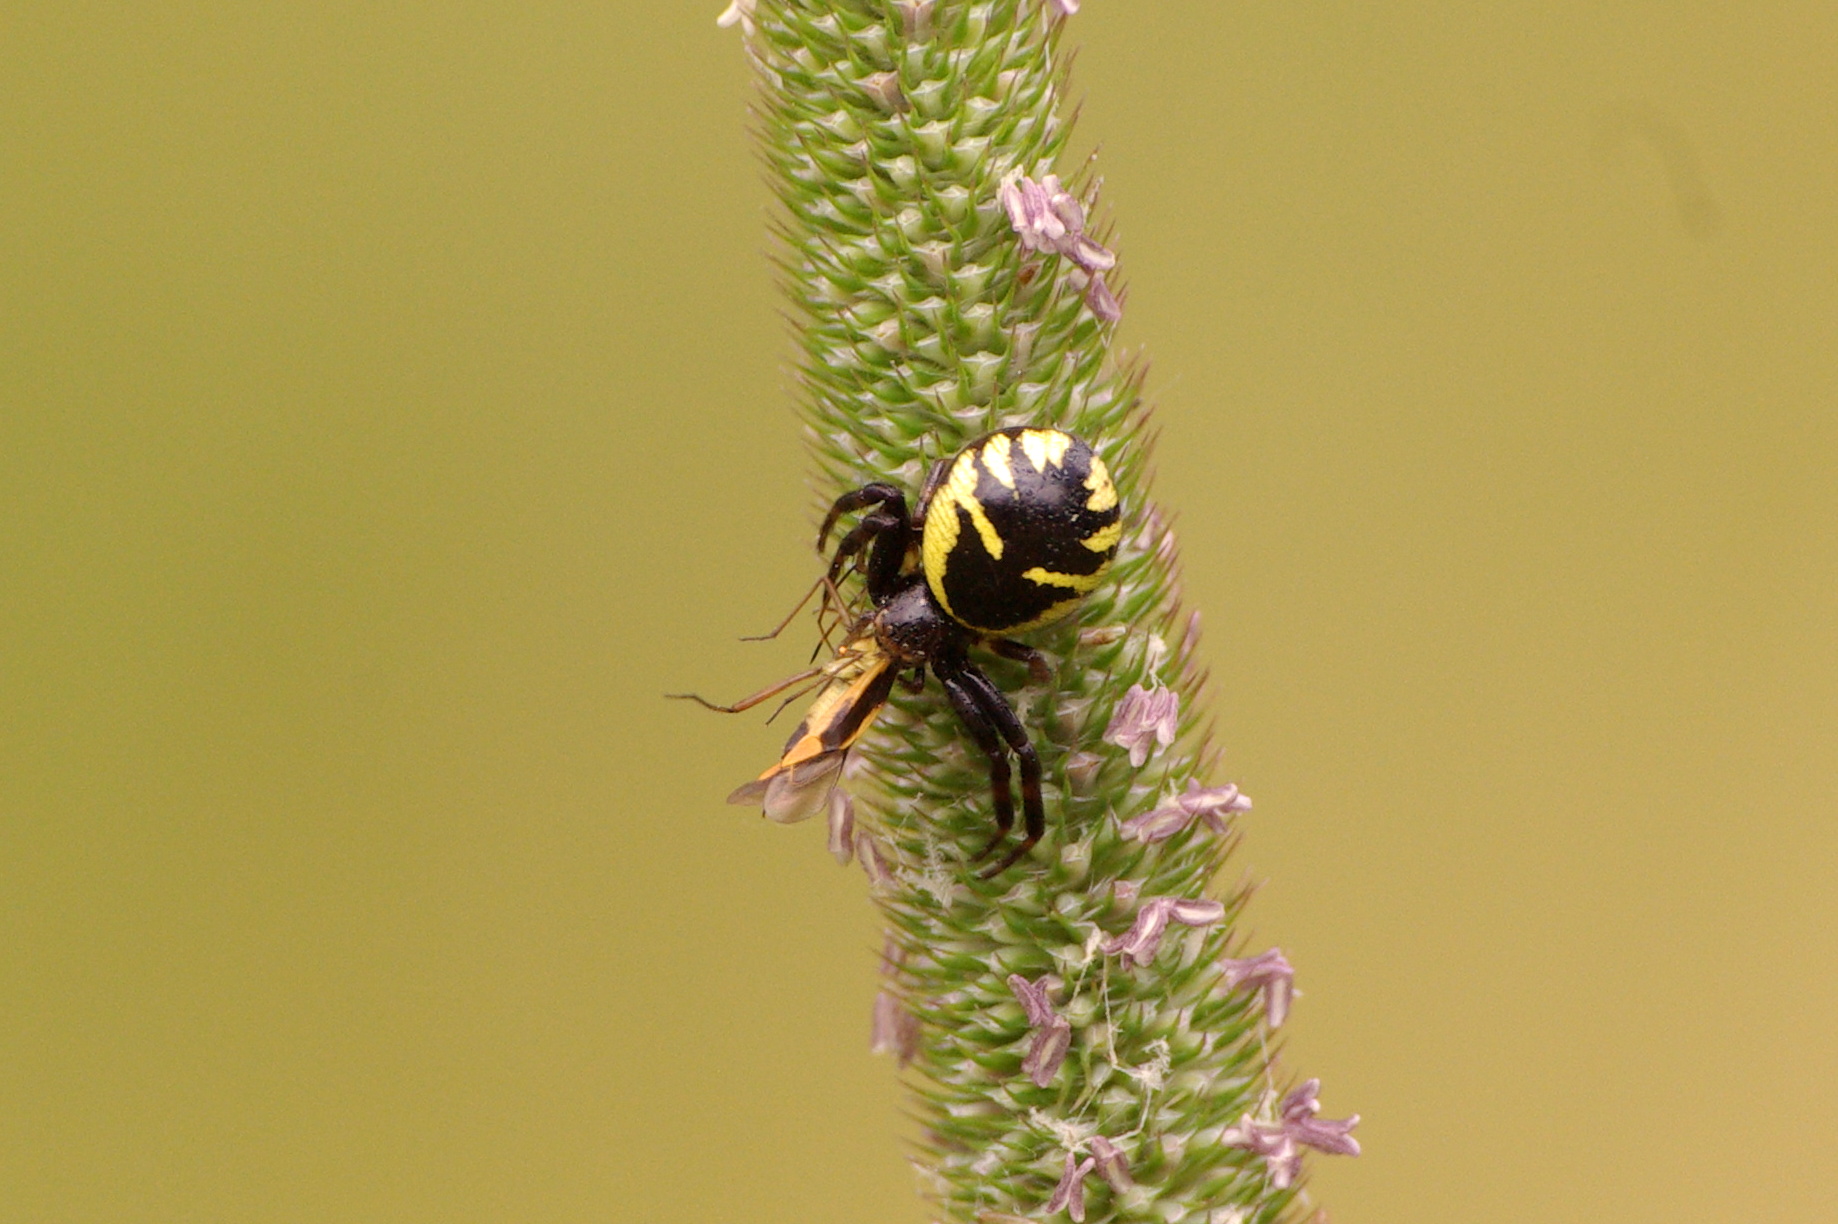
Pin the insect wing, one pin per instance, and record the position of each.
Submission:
(798, 784)
(792, 793)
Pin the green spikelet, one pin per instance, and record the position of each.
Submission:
(888, 127)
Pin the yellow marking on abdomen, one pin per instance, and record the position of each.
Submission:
(939, 538)
(940, 535)
(1104, 538)
(942, 529)
(960, 490)
(1054, 612)
(995, 459)
(1073, 582)
(1103, 492)
(1044, 446)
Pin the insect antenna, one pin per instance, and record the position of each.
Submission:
(765, 694)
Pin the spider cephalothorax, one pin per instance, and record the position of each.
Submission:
(1008, 535)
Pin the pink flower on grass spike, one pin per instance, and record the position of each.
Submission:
(1143, 721)
(1066, 7)
(1268, 972)
(1049, 219)
(1069, 1195)
(842, 826)
(1143, 940)
(1052, 1031)
(1113, 1167)
(1280, 1143)
(1106, 1159)
(895, 1030)
(1209, 803)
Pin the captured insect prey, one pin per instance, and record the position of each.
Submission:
(1009, 534)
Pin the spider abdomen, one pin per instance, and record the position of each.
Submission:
(1023, 524)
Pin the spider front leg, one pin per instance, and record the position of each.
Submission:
(992, 722)
(1033, 810)
(886, 534)
(865, 533)
(970, 713)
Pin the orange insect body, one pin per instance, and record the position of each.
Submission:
(853, 689)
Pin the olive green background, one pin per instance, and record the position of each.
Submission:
(393, 405)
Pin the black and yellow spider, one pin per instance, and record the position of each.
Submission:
(1008, 535)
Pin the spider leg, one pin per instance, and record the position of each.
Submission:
(1002, 717)
(864, 533)
(780, 627)
(1039, 670)
(880, 493)
(886, 534)
(832, 612)
(934, 476)
(970, 710)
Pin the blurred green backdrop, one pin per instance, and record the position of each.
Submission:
(392, 407)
